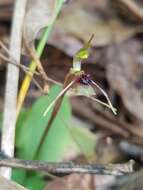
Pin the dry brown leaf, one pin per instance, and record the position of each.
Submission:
(39, 15)
(131, 10)
(79, 20)
(81, 182)
(123, 73)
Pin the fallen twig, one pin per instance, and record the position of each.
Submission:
(12, 61)
(68, 167)
(40, 68)
(9, 119)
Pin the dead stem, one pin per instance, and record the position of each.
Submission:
(39, 65)
(10, 61)
(23, 67)
(12, 78)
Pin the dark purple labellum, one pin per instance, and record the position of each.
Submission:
(85, 79)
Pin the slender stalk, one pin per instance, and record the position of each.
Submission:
(9, 120)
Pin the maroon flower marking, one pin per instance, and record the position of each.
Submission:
(85, 79)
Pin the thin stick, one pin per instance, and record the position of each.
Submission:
(38, 86)
(4, 47)
(68, 167)
(40, 68)
(9, 120)
(12, 61)
(25, 70)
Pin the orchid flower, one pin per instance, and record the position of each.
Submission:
(78, 78)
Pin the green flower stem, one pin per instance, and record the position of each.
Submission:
(39, 50)
(41, 45)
